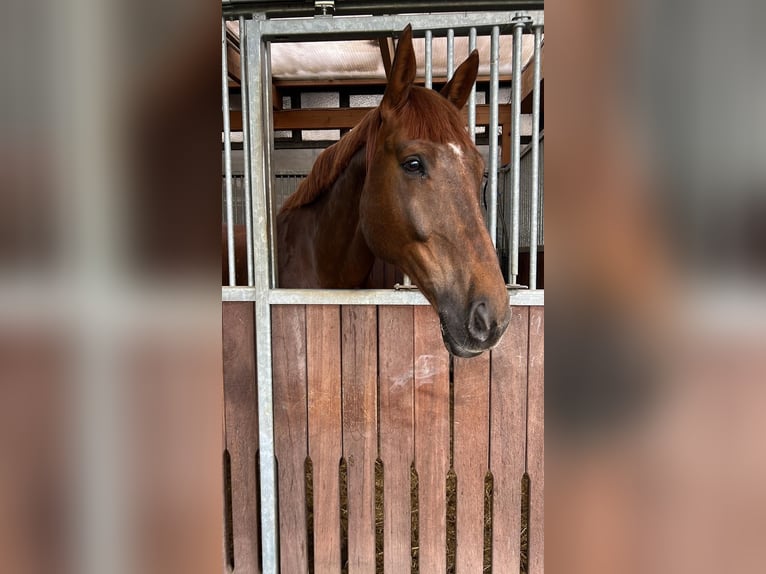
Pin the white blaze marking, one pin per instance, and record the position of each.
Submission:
(456, 149)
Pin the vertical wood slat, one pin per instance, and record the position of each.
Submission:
(471, 452)
(536, 440)
(431, 438)
(290, 431)
(395, 334)
(241, 430)
(324, 424)
(359, 376)
(508, 440)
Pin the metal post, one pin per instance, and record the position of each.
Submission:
(450, 53)
(494, 80)
(268, 139)
(227, 158)
(472, 98)
(429, 58)
(535, 161)
(246, 148)
(257, 88)
(518, 28)
(429, 84)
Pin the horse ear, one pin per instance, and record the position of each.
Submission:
(459, 87)
(403, 72)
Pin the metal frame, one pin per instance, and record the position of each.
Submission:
(256, 35)
(293, 8)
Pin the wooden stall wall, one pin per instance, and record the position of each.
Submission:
(356, 386)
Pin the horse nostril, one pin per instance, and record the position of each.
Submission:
(479, 322)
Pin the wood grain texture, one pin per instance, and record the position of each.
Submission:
(432, 435)
(508, 440)
(471, 454)
(325, 432)
(288, 324)
(359, 377)
(395, 334)
(536, 440)
(340, 118)
(241, 430)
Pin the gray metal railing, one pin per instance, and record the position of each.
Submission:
(254, 197)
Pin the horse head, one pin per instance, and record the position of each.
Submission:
(420, 209)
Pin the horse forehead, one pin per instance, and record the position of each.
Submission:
(455, 149)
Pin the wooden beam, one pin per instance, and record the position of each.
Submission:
(343, 82)
(233, 63)
(386, 53)
(528, 80)
(344, 118)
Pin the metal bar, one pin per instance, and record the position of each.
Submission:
(268, 139)
(257, 92)
(450, 53)
(227, 158)
(291, 8)
(535, 161)
(246, 147)
(429, 59)
(472, 97)
(428, 84)
(359, 296)
(339, 28)
(494, 81)
(513, 252)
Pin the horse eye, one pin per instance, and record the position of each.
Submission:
(412, 165)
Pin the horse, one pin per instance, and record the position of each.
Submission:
(403, 186)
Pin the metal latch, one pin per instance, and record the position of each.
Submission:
(327, 7)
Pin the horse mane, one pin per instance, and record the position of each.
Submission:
(425, 115)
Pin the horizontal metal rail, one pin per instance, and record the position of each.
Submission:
(349, 28)
(292, 9)
(358, 296)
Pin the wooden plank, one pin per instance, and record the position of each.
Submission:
(359, 377)
(241, 430)
(507, 440)
(325, 432)
(432, 435)
(386, 54)
(528, 75)
(395, 334)
(233, 63)
(471, 453)
(536, 440)
(290, 431)
(340, 118)
(438, 81)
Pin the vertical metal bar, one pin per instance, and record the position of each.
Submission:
(518, 28)
(535, 160)
(429, 59)
(494, 80)
(472, 98)
(450, 53)
(257, 86)
(268, 124)
(227, 157)
(429, 84)
(246, 150)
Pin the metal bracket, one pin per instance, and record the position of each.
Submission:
(400, 287)
(324, 6)
(521, 19)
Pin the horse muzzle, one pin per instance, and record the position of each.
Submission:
(470, 333)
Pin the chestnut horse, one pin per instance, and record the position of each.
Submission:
(403, 186)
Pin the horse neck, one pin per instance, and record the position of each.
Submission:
(321, 244)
